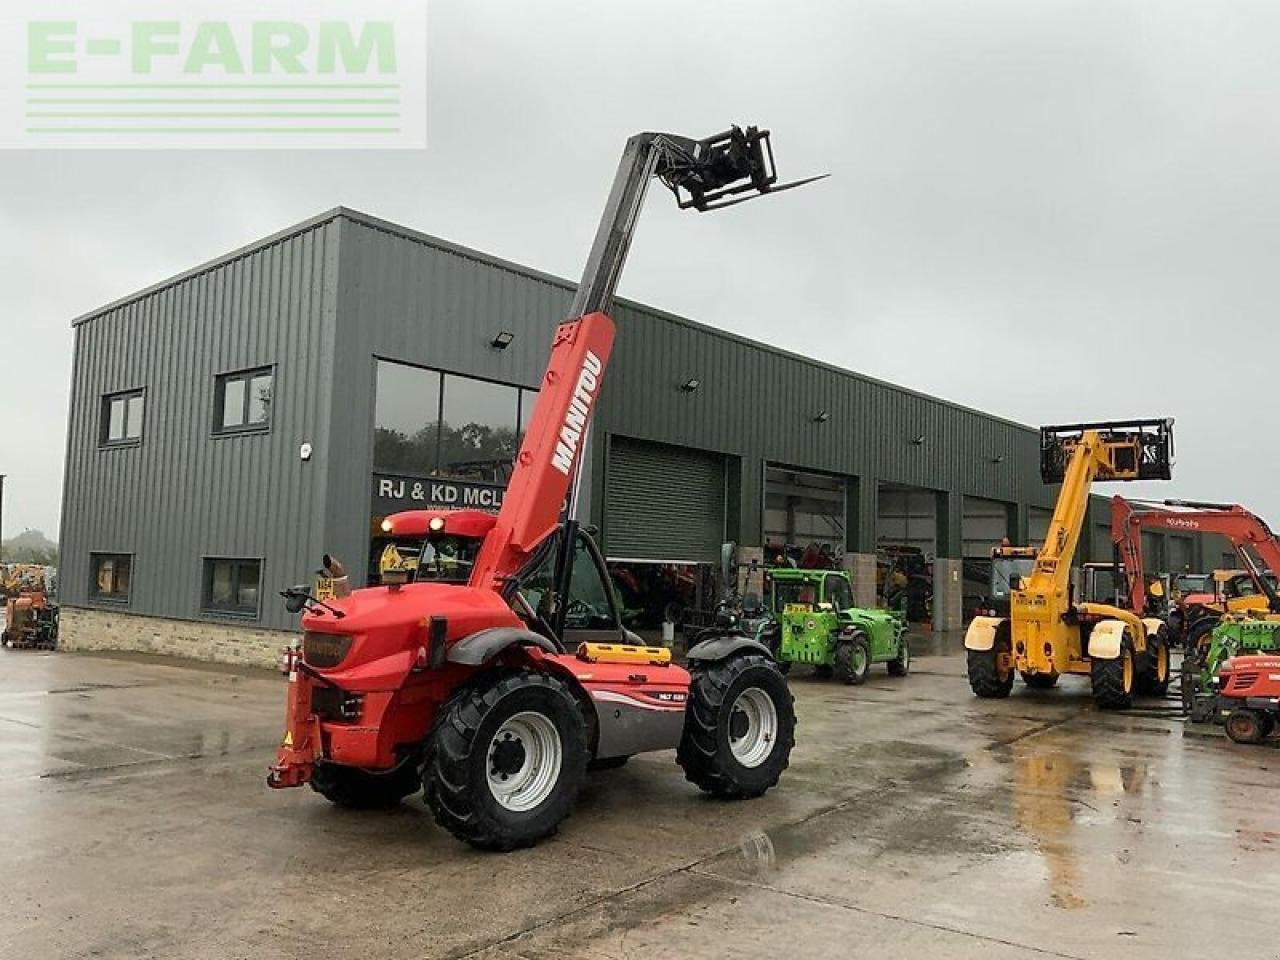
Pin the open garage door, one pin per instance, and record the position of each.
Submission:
(986, 523)
(663, 503)
(906, 541)
(803, 508)
(907, 518)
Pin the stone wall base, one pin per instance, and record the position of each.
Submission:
(948, 595)
(84, 629)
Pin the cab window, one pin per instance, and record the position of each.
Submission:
(838, 593)
(590, 606)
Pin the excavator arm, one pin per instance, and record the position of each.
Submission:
(1247, 533)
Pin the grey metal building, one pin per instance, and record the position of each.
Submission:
(230, 425)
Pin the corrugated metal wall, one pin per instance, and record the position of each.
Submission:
(323, 300)
(183, 494)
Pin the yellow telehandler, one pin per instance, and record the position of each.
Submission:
(1051, 631)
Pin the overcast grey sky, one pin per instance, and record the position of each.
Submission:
(1052, 211)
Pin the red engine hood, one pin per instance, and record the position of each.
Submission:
(389, 626)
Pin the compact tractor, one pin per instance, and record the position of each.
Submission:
(1248, 700)
(494, 679)
(815, 622)
(1049, 630)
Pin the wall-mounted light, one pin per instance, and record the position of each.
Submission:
(998, 458)
(502, 340)
(822, 416)
(690, 385)
(918, 440)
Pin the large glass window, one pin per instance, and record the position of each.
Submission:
(478, 430)
(232, 585)
(407, 419)
(242, 401)
(447, 425)
(110, 576)
(121, 418)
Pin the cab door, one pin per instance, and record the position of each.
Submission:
(592, 614)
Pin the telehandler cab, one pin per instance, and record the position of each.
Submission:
(1049, 631)
(493, 680)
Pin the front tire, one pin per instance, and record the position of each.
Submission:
(356, 789)
(1247, 726)
(1153, 679)
(1113, 680)
(739, 727)
(851, 662)
(900, 665)
(508, 757)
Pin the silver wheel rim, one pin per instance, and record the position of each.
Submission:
(539, 769)
(756, 743)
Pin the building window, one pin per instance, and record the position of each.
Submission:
(445, 425)
(232, 586)
(122, 418)
(242, 401)
(110, 576)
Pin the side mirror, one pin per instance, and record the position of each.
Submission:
(1015, 582)
(295, 598)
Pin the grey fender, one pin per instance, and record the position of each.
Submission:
(717, 648)
(483, 645)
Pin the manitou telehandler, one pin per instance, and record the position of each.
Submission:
(1049, 630)
(494, 679)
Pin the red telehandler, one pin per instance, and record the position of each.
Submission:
(502, 670)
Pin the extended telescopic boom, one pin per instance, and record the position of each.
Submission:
(708, 174)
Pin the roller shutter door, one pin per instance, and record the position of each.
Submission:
(663, 502)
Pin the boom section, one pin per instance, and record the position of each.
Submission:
(1076, 456)
(547, 464)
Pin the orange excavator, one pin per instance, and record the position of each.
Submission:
(1253, 541)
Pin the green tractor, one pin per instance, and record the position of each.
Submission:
(813, 620)
(1235, 633)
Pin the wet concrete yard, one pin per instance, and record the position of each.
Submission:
(915, 821)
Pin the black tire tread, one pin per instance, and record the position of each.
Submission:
(698, 754)
(1107, 679)
(984, 678)
(451, 743)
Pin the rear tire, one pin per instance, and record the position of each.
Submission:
(1113, 680)
(356, 789)
(1246, 726)
(508, 757)
(1040, 681)
(1153, 679)
(851, 662)
(900, 665)
(739, 727)
(1198, 637)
